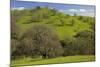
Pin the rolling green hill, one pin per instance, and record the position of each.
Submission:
(63, 24)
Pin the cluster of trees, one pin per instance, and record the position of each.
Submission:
(83, 43)
(41, 40)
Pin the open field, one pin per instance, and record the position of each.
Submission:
(39, 61)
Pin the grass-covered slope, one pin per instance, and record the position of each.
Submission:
(38, 61)
(64, 24)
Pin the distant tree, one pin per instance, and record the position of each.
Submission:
(67, 15)
(62, 22)
(54, 12)
(40, 14)
(92, 24)
(38, 7)
(93, 27)
(83, 18)
(45, 40)
(71, 22)
(75, 14)
(80, 17)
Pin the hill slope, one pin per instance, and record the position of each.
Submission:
(64, 24)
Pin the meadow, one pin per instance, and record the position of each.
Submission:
(58, 60)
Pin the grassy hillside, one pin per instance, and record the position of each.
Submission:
(39, 61)
(63, 24)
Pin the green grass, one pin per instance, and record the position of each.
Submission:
(62, 31)
(39, 61)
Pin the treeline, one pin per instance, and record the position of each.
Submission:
(41, 40)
